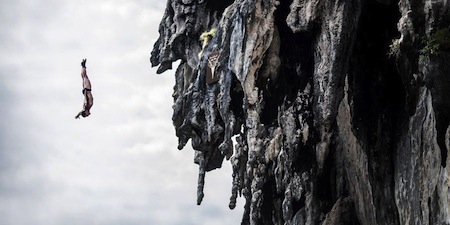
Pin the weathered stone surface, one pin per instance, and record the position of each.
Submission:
(340, 109)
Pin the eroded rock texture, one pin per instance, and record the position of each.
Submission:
(340, 109)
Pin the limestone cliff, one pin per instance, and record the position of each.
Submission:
(339, 110)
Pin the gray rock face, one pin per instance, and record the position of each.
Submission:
(340, 110)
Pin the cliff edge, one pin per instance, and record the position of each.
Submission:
(339, 110)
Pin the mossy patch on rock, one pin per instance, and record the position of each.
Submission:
(438, 41)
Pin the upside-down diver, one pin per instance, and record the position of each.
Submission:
(87, 92)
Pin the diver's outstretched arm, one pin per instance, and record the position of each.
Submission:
(78, 115)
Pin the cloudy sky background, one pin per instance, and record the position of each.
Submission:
(121, 164)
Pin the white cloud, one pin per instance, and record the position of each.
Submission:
(119, 166)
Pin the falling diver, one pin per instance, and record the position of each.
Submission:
(87, 92)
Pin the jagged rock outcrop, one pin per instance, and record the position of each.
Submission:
(340, 110)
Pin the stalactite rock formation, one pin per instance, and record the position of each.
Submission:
(339, 111)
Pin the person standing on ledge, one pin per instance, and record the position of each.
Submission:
(88, 99)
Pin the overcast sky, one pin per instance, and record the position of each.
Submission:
(121, 164)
